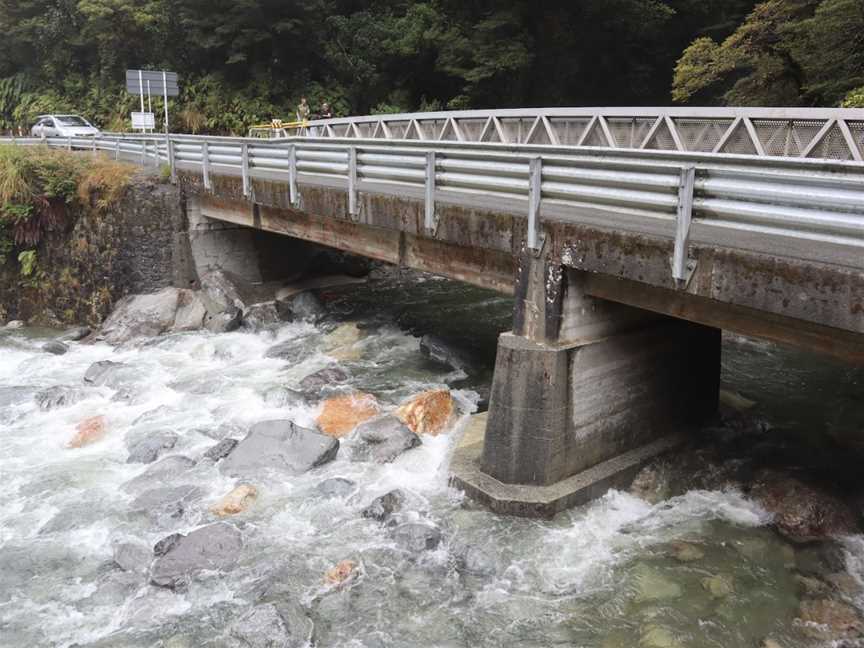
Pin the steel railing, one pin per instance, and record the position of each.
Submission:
(795, 208)
(832, 133)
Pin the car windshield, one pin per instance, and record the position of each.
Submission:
(71, 120)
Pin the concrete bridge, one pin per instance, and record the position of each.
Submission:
(630, 239)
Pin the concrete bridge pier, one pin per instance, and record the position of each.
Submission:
(585, 392)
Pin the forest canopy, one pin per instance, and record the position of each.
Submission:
(244, 61)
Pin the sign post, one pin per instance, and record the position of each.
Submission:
(166, 83)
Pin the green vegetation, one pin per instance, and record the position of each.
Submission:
(786, 52)
(246, 61)
(38, 186)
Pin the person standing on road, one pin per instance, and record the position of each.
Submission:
(303, 110)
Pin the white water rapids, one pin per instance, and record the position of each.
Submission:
(566, 582)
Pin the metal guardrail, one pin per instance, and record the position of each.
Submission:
(832, 133)
(803, 209)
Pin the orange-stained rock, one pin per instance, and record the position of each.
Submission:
(428, 413)
(341, 414)
(89, 431)
(341, 573)
(237, 501)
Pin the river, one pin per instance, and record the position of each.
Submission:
(702, 569)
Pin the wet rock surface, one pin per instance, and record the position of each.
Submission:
(382, 440)
(283, 624)
(221, 450)
(416, 537)
(59, 396)
(55, 347)
(383, 507)
(281, 446)
(148, 447)
(214, 547)
(336, 487)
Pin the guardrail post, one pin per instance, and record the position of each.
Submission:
(682, 267)
(430, 191)
(352, 181)
(244, 164)
(535, 176)
(93, 150)
(171, 162)
(205, 165)
(292, 175)
(143, 152)
(117, 149)
(69, 143)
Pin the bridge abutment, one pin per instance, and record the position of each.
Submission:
(585, 391)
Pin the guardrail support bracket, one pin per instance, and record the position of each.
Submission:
(683, 266)
(535, 235)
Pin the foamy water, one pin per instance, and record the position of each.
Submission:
(569, 581)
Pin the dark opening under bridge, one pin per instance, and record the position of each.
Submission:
(629, 237)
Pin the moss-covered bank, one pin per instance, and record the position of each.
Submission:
(77, 232)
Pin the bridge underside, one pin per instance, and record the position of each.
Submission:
(609, 360)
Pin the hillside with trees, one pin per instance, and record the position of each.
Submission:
(244, 61)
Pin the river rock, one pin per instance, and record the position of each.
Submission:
(300, 307)
(109, 373)
(802, 512)
(132, 557)
(341, 414)
(89, 431)
(440, 351)
(686, 552)
(59, 396)
(237, 501)
(147, 449)
(342, 573)
(141, 316)
(191, 312)
(282, 446)
(416, 537)
(75, 334)
(382, 440)
(214, 547)
(336, 487)
(55, 347)
(651, 585)
(652, 483)
(283, 397)
(383, 507)
(14, 325)
(164, 469)
(224, 322)
(475, 559)
(341, 342)
(289, 350)
(166, 502)
(830, 619)
(718, 586)
(221, 450)
(313, 384)
(221, 290)
(271, 625)
(259, 316)
(428, 413)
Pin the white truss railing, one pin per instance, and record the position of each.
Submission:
(803, 209)
(828, 133)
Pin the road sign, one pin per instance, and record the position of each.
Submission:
(143, 82)
(143, 120)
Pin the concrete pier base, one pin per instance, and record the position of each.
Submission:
(567, 422)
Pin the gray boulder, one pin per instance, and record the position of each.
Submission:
(166, 544)
(147, 448)
(167, 468)
(59, 396)
(440, 351)
(383, 507)
(382, 440)
(55, 347)
(271, 625)
(14, 325)
(283, 397)
(167, 502)
(132, 557)
(416, 537)
(222, 290)
(290, 350)
(214, 547)
(259, 316)
(336, 487)
(191, 312)
(221, 450)
(225, 321)
(475, 559)
(300, 307)
(142, 316)
(75, 334)
(282, 446)
(313, 384)
(109, 373)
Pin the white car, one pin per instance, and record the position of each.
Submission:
(63, 126)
